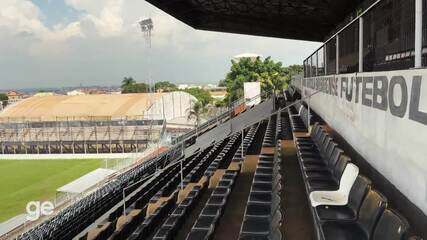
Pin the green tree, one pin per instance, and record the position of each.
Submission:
(3, 99)
(165, 86)
(129, 85)
(222, 83)
(272, 76)
(128, 82)
(295, 70)
(196, 112)
(203, 96)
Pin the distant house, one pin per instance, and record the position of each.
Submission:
(44, 94)
(218, 93)
(76, 92)
(251, 56)
(14, 97)
(96, 91)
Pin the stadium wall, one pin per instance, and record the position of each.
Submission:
(384, 116)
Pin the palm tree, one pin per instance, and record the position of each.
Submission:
(195, 113)
(127, 83)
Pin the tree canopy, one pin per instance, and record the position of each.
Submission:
(165, 86)
(129, 85)
(295, 69)
(3, 97)
(272, 76)
(203, 96)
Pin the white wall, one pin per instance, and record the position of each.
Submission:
(391, 139)
(175, 104)
(252, 92)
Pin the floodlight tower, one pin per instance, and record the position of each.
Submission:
(147, 27)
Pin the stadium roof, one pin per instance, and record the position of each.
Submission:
(296, 19)
(87, 181)
(80, 106)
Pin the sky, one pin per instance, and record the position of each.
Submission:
(62, 43)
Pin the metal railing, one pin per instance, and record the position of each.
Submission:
(216, 119)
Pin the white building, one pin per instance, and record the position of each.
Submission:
(252, 56)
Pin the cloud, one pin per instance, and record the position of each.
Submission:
(24, 17)
(103, 43)
(106, 15)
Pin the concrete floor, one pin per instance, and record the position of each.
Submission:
(298, 223)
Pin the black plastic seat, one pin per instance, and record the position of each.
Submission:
(260, 197)
(326, 164)
(253, 236)
(349, 212)
(217, 200)
(262, 187)
(263, 178)
(259, 225)
(205, 222)
(180, 210)
(211, 210)
(264, 171)
(221, 191)
(309, 163)
(263, 164)
(369, 213)
(331, 180)
(225, 183)
(163, 233)
(391, 226)
(199, 234)
(258, 209)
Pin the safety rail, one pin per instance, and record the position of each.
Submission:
(216, 119)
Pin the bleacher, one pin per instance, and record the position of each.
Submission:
(344, 203)
(234, 189)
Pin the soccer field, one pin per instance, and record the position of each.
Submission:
(22, 181)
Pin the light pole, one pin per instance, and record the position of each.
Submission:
(147, 27)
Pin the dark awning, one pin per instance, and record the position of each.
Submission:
(309, 20)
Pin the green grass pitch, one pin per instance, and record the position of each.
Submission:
(22, 181)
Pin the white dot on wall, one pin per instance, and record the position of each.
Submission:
(397, 94)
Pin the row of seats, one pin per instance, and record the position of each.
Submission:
(190, 169)
(299, 117)
(362, 213)
(80, 215)
(284, 126)
(198, 171)
(205, 225)
(206, 222)
(162, 185)
(75, 218)
(150, 223)
(224, 157)
(263, 217)
(140, 200)
(178, 216)
(247, 141)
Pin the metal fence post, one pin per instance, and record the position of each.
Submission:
(418, 32)
(124, 203)
(243, 129)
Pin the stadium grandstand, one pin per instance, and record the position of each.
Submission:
(114, 123)
(339, 155)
